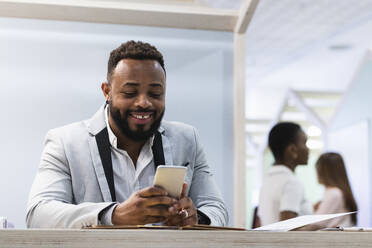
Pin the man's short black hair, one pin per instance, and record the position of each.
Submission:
(282, 135)
(133, 50)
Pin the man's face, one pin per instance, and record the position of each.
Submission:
(137, 97)
(302, 149)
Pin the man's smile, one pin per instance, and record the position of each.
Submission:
(141, 117)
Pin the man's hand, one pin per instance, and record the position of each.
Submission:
(183, 212)
(149, 205)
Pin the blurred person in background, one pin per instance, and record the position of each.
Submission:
(282, 194)
(338, 196)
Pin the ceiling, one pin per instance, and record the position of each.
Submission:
(303, 45)
(283, 32)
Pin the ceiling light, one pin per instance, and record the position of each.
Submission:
(314, 131)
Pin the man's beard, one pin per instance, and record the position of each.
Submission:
(140, 134)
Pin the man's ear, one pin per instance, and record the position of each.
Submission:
(106, 89)
(292, 151)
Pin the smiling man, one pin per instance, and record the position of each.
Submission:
(101, 170)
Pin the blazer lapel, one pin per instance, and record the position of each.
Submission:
(166, 147)
(95, 125)
(98, 168)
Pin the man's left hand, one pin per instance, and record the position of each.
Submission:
(183, 212)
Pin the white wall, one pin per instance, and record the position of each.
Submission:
(51, 74)
(350, 134)
(356, 156)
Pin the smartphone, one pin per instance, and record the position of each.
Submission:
(170, 178)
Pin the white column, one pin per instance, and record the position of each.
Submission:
(239, 131)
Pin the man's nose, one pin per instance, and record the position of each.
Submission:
(143, 101)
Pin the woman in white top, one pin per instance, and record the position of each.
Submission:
(338, 196)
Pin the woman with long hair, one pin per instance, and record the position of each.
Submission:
(338, 196)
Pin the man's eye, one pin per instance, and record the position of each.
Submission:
(156, 94)
(129, 94)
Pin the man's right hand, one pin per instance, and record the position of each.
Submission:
(149, 205)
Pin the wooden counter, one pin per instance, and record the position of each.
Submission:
(180, 238)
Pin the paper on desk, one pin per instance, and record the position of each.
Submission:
(287, 225)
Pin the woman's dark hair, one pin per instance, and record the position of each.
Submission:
(331, 172)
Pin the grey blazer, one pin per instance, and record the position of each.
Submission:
(70, 188)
